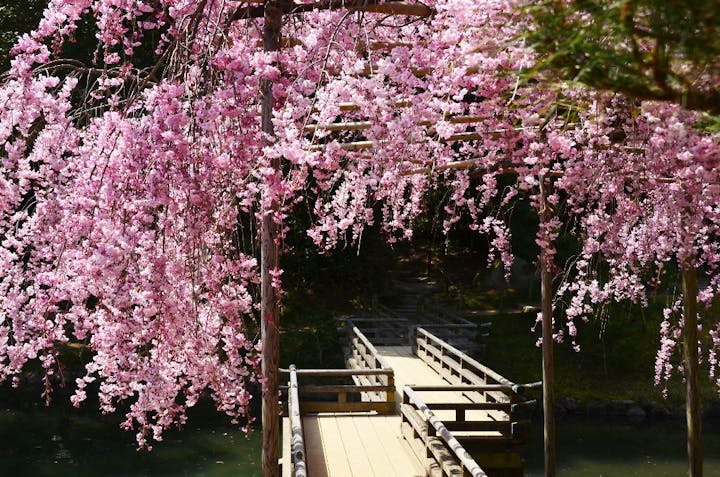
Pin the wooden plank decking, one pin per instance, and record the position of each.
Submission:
(448, 393)
(411, 370)
(358, 445)
(370, 444)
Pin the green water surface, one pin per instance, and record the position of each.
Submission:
(616, 448)
(41, 442)
(37, 441)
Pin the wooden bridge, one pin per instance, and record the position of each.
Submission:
(414, 405)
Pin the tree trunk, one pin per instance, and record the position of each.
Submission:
(269, 256)
(690, 344)
(548, 372)
(547, 347)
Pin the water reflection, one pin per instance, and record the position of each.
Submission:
(60, 441)
(615, 448)
(38, 442)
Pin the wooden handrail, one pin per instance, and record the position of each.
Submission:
(452, 443)
(297, 440)
(450, 325)
(374, 379)
(343, 402)
(343, 388)
(378, 329)
(451, 318)
(363, 319)
(380, 359)
(467, 360)
(470, 406)
(465, 387)
(324, 373)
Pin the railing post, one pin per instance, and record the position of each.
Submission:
(348, 334)
(297, 443)
(390, 395)
(435, 428)
(442, 356)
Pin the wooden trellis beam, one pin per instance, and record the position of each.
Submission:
(401, 8)
(350, 106)
(364, 125)
(367, 145)
(398, 8)
(289, 42)
(346, 146)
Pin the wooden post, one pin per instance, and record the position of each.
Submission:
(269, 255)
(690, 343)
(548, 380)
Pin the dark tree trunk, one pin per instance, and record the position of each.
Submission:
(690, 345)
(547, 347)
(269, 252)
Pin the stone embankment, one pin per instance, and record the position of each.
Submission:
(634, 411)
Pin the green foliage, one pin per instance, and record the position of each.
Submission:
(321, 287)
(709, 123)
(17, 17)
(616, 360)
(311, 341)
(646, 49)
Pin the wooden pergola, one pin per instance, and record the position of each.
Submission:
(273, 12)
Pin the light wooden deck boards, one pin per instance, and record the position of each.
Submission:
(371, 445)
(409, 370)
(286, 458)
(357, 445)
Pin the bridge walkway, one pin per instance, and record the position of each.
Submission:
(410, 370)
(363, 444)
(421, 410)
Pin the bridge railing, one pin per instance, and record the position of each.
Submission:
(343, 397)
(327, 390)
(432, 440)
(383, 328)
(363, 356)
(503, 398)
(297, 439)
(448, 326)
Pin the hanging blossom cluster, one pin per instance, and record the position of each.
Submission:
(429, 103)
(120, 215)
(445, 107)
(127, 185)
(642, 182)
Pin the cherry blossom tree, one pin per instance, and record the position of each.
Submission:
(647, 205)
(127, 181)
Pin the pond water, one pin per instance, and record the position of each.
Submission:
(615, 448)
(37, 442)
